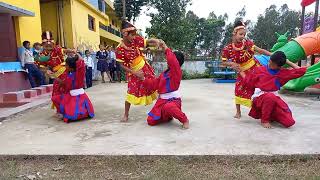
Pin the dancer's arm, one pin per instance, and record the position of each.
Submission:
(139, 74)
(262, 51)
(293, 65)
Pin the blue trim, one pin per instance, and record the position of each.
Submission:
(85, 105)
(17, 9)
(167, 78)
(273, 71)
(277, 82)
(10, 66)
(72, 76)
(76, 113)
(154, 116)
(61, 105)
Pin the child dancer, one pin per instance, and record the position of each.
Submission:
(131, 59)
(73, 104)
(168, 105)
(266, 81)
(239, 55)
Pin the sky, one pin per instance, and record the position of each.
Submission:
(202, 8)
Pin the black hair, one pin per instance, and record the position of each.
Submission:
(180, 57)
(125, 24)
(279, 58)
(72, 61)
(86, 51)
(25, 43)
(36, 44)
(239, 23)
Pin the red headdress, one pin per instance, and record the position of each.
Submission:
(47, 37)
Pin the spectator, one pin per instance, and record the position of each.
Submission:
(102, 64)
(37, 50)
(89, 66)
(117, 67)
(112, 62)
(27, 62)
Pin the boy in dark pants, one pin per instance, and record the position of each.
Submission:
(27, 62)
(89, 66)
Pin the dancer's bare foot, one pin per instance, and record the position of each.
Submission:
(238, 115)
(58, 116)
(185, 125)
(266, 125)
(125, 119)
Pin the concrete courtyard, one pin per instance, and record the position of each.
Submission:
(213, 131)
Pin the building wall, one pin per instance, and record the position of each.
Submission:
(27, 28)
(84, 38)
(49, 21)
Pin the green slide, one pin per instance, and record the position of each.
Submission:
(296, 50)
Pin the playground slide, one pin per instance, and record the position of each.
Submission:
(296, 50)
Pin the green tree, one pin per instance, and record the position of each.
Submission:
(169, 22)
(274, 20)
(133, 8)
(211, 33)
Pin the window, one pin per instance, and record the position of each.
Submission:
(91, 23)
(100, 5)
(113, 22)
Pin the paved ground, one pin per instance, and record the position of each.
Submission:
(213, 129)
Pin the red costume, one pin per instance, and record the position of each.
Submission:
(73, 103)
(131, 56)
(267, 105)
(168, 105)
(242, 54)
(54, 61)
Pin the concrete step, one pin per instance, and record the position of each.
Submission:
(15, 99)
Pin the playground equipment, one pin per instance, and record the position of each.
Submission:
(296, 50)
(218, 70)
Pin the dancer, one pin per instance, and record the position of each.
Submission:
(266, 81)
(168, 105)
(73, 104)
(131, 59)
(239, 56)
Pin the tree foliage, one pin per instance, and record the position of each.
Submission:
(275, 20)
(184, 30)
(133, 8)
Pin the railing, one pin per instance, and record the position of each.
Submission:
(110, 30)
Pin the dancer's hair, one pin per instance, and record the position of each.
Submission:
(279, 58)
(180, 57)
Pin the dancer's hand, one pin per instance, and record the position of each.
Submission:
(162, 44)
(235, 67)
(49, 72)
(59, 81)
(139, 74)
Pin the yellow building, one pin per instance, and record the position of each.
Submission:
(82, 24)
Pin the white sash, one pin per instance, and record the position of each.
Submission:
(258, 92)
(174, 94)
(76, 92)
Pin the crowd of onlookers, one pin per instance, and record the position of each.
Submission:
(97, 65)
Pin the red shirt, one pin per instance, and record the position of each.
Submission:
(126, 53)
(169, 80)
(238, 56)
(271, 80)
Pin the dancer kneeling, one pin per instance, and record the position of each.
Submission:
(168, 105)
(266, 81)
(73, 104)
